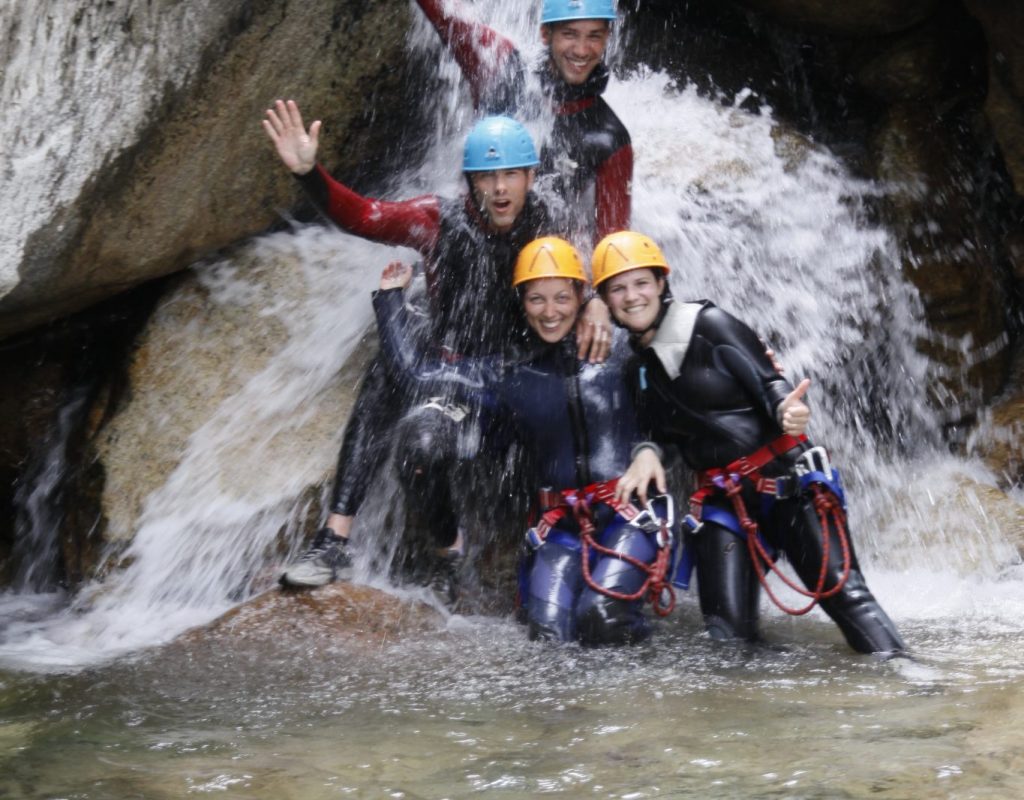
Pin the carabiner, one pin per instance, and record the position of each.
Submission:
(814, 459)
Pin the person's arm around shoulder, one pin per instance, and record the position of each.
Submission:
(594, 331)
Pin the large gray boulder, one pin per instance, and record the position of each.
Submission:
(131, 134)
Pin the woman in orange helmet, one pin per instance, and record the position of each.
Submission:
(591, 565)
(707, 387)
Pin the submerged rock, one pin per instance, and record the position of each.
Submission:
(340, 610)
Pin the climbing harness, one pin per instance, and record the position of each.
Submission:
(578, 502)
(812, 472)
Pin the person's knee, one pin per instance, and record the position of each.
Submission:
(421, 453)
(863, 621)
(549, 621)
(602, 620)
(722, 629)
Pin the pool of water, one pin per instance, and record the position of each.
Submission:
(470, 707)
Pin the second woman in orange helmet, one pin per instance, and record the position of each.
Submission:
(707, 387)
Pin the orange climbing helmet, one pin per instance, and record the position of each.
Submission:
(625, 250)
(548, 257)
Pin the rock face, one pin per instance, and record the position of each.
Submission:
(1003, 24)
(239, 388)
(868, 18)
(141, 150)
(940, 89)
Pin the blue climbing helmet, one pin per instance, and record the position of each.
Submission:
(498, 143)
(564, 10)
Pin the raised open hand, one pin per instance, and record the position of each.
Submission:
(295, 145)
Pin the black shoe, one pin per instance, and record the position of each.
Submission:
(327, 560)
(445, 579)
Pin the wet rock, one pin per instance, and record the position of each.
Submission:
(950, 253)
(51, 377)
(347, 611)
(999, 438)
(1003, 23)
(186, 169)
(243, 375)
(868, 18)
(946, 519)
(907, 67)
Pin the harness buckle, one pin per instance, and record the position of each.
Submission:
(813, 460)
(534, 539)
(693, 523)
(456, 412)
(649, 521)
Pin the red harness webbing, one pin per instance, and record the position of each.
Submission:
(578, 501)
(729, 479)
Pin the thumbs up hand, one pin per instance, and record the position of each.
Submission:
(793, 414)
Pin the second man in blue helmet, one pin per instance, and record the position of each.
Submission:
(469, 245)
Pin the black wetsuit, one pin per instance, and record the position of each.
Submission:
(707, 387)
(578, 422)
(588, 148)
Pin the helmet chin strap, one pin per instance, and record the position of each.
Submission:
(666, 301)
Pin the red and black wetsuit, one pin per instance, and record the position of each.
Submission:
(474, 310)
(707, 387)
(588, 144)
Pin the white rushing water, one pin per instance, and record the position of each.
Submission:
(767, 227)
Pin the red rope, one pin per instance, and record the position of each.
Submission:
(655, 587)
(826, 505)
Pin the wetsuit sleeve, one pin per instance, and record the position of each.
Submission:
(489, 61)
(411, 223)
(739, 351)
(613, 190)
(468, 380)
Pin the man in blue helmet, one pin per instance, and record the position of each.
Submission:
(588, 144)
(469, 246)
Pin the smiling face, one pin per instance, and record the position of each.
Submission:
(576, 47)
(634, 297)
(551, 306)
(501, 195)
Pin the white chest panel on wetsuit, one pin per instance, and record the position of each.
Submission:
(672, 339)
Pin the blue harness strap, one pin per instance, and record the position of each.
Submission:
(717, 516)
(833, 483)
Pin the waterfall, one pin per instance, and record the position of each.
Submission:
(38, 503)
(767, 225)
